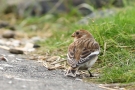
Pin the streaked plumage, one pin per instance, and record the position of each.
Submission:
(82, 53)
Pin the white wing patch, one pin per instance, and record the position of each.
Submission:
(75, 64)
(93, 53)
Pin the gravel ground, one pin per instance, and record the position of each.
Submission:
(30, 75)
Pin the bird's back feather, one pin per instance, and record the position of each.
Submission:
(81, 51)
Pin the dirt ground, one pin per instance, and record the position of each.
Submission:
(21, 74)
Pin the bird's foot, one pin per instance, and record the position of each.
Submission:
(91, 75)
(70, 73)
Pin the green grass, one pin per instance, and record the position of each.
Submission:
(115, 34)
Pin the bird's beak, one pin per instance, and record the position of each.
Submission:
(73, 35)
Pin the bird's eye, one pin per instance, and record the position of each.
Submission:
(77, 33)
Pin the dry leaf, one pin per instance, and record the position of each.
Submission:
(54, 58)
(48, 66)
(41, 58)
(55, 62)
(58, 66)
(33, 58)
(52, 67)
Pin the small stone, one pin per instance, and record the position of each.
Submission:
(16, 43)
(28, 46)
(35, 39)
(36, 46)
(1, 68)
(3, 58)
(2, 42)
(8, 34)
(12, 28)
(16, 51)
(10, 82)
(3, 24)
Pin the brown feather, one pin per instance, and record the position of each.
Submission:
(81, 51)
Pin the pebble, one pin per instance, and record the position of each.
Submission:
(3, 58)
(8, 34)
(10, 82)
(36, 46)
(35, 39)
(16, 51)
(3, 24)
(1, 68)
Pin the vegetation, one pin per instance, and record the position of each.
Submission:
(115, 34)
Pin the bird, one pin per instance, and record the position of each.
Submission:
(82, 52)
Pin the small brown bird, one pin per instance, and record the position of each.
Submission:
(82, 53)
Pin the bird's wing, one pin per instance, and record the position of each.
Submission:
(82, 51)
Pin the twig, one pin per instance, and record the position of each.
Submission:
(124, 46)
(14, 51)
(112, 86)
(47, 65)
(106, 88)
(104, 49)
(5, 47)
(58, 61)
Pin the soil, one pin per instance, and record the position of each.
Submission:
(20, 74)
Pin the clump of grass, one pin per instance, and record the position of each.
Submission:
(117, 61)
(115, 34)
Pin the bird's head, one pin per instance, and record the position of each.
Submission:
(81, 34)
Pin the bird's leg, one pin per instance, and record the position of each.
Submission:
(71, 72)
(90, 73)
(77, 71)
